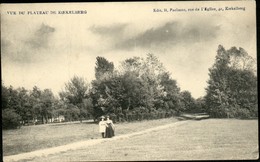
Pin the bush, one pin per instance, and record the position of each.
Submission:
(220, 111)
(10, 119)
(254, 111)
(243, 113)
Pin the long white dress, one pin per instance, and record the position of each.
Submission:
(102, 126)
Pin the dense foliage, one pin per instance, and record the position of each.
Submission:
(10, 119)
(75, 99)
(141, 88)
(232, 87)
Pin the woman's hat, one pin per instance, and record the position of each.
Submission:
(102, 117)
(107, 116)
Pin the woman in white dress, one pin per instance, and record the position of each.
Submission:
(102, 126)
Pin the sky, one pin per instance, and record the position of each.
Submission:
(46, 50)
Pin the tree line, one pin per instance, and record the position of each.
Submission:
(139, 89)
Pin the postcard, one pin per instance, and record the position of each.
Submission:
(109, 81)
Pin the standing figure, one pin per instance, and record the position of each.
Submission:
(102, 126)
(110, 129)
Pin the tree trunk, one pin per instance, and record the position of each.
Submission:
(43, 120)
(129, 103)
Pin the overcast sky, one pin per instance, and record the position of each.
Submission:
(48, 50)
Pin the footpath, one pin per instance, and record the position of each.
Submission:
(82, 144)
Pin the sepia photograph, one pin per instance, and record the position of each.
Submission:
(129, 81)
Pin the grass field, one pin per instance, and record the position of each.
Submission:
(210, 139)
(194, 140)
(30, 138)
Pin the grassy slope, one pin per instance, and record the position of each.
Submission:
(195, 140)
(30, 138)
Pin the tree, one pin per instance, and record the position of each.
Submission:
(188, 101)
(34, 100)
(148, 71)
(4, 97)
(75, 93)
(103, 68)
(10, 119)
(41, 105)
(87, 103)
(24, 104)
(13, 101)
(232, 87)
(239, 59)
(171, 93)
(200, 105)
(132, 64)
(47, 100)
(243, 93)
(106, 95)
(216, 99)
(104, 71)
(141, 85)
(58, 108)
(133, 93)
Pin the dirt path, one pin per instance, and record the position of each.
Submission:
(81, 144)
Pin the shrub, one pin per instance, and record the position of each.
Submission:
(10, 119)
(254, 111)
(243, 113)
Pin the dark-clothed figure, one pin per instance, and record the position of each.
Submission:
(110, 129)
